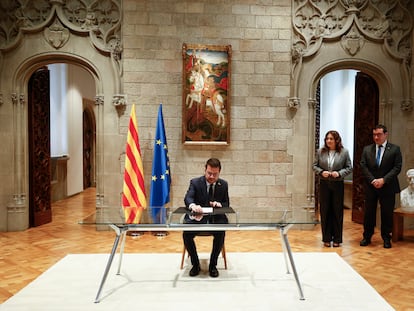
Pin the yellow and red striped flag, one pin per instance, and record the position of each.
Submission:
(133, 195)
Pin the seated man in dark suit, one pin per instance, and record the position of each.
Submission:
(206, 191)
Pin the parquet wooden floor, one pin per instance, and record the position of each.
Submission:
(27, 254)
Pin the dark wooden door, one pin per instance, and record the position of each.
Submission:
(40, 211)
(366, 117)
(317, 135)
(88, 148)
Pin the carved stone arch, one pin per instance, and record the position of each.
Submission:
(21, 64)
(24, 71)
(83, 33)
(21, 73)
(376, 72)
(365, 35)
(374, 32)
(331, 58)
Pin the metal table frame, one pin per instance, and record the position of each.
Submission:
(122, 229)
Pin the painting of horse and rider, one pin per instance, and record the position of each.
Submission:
(206, 94)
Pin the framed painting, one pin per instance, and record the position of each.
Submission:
(206, 94)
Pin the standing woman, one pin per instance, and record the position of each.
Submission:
(332, 164)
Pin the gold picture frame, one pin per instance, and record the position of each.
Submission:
(206, 94)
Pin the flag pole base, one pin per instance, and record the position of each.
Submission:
(135, 233)
(160, 234)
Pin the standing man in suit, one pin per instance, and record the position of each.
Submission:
(381, 163)
(206, 191)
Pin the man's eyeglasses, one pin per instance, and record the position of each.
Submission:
(212, 174)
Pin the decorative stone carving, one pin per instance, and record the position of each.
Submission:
(352, 6)
(22, 99)
(406, 105)
(116, 48)
(297, 55)
(314, 21)
(98, 19)
(14, 98)
(294, 103)
(19, 201)
(56, 35)
(116, 53)
(352, 42)
(90, 22)
(312, 103)
(99, 100)
(353, 23)
(119, 101)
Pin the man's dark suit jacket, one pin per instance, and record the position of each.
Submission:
(197, 193)
(388, 169)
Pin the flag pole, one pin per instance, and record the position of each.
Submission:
(161, 175)
(133, 190)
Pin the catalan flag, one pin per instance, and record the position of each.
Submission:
(133, 196)
(161, 174)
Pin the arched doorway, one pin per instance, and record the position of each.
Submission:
(344, 44)
(353, 113)
(19, 210)
(56, 108)
(58, 38)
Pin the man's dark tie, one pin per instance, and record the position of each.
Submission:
(379, 155)
(211, 192)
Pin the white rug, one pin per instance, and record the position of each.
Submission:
(253, 281)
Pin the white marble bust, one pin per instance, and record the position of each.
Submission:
(407, 195)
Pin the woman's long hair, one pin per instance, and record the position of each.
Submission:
(338, 141)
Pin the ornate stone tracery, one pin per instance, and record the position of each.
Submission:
(56, 35)
(315, 21)
(352, 42)
(98, 19)
(119, 101)
(352, 24)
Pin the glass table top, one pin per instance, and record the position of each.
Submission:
(173, 218)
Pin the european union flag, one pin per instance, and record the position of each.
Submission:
(161, 174)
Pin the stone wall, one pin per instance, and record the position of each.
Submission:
(273, 86)
(256, 162)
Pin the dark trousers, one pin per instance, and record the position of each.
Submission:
(331, 201)
(218, 240)
(386, 200)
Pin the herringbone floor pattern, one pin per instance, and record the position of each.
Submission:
(27, 254)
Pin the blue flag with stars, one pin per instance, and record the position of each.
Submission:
(161, 175)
